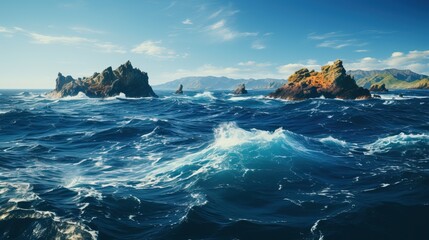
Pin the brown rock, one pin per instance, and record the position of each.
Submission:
(378, 88)
(125, 79)
(331, 82)
(241, 89)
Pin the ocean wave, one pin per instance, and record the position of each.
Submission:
(335, 141)
(388, 96)
(31, 223)
(79, 96)
(397, 142)
(206, 95)
(244, 98)
(232, 149)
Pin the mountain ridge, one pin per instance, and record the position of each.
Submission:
(392, 78)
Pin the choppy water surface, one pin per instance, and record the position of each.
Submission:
(213, 165)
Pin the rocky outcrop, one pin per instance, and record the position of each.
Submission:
(331, 82)
(125, 79)
(241, 89)
(180, 89)
(378, 88)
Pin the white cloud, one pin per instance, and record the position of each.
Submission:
(397, 54)
(187, 22)
(215, 14)
(154, 48)
(220, 30)
(5, 30)
(48, 39)
(323, 36)
(361, 50)
(335, 40)
(254, 64)
(85, 30)
(340, 43)
(258, 45)
(288, 69)
(108, 47)
(417, 61)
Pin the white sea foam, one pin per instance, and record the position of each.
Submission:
(242, 98)
(397, 97)
(228, 135)
(385, 144)
(208, 95)
(79, 96)
(330, 140)
(224, 153)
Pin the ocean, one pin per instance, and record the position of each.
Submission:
(212, 165)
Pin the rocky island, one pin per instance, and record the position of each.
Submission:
(125, 79)
(179, 90)
(241, 89)
(378, 88)
(331, 82)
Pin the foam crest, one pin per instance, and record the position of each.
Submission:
(332, 140)
(228, 135)
(79, 96)
(231, 149)
(385, 144)
(241, 98)
(208, 95)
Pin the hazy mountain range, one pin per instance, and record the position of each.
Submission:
(392, 78)
(220, 83)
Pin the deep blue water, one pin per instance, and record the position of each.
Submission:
(213, 166)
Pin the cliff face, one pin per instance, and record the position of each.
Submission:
(331, 82)
(125, 79)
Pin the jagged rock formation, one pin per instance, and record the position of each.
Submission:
(378, 88)
(125, 79)
(180, 89)
(331, 82)
(241, 89)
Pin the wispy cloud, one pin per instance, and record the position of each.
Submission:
(69, 40)
(341, 43)
(258, 45)
(323, 36)
(187, 22)
(45, 39)
(361, 50)
(336, 40)
(86, 30)
(288, 69)
(416, 60)
(154, 49)
(254, 64)
(108, 47)
(223, 32)
(215, 14)
(5, 30)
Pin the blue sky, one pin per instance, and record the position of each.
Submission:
(239, 39)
